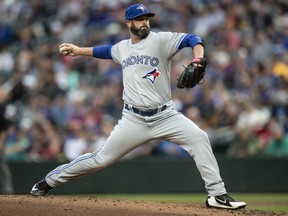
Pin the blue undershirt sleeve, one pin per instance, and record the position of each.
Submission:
(190, 40)
(102, 52)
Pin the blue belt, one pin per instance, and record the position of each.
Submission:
(145, 112)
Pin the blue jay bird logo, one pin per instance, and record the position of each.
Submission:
(152, 75)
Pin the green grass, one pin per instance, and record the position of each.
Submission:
(259, 201)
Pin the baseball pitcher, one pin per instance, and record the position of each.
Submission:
(148, 111)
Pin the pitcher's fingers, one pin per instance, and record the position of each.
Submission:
(64, 45)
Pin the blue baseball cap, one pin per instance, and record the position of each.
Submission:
(137, 10)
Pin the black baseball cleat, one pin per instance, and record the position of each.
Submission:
(224, 201)
(40, 188)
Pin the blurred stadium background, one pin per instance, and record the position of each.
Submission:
(54, 108)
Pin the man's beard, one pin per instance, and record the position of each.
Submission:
(142, 32)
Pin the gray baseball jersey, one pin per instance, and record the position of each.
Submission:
(146, 68)
(148, 113)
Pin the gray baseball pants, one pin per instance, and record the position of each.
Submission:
(133, 130)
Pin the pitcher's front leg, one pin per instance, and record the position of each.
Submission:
(125, 137)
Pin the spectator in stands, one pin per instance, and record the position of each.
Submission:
(45, 141)
(245, 144)
(77, 139)
(278, 145)
(17, 144)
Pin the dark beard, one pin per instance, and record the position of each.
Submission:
(142, 32)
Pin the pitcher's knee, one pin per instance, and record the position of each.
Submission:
(103, 161)
(205, 135)
(202, 137)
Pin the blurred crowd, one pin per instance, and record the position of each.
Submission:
(55, 107)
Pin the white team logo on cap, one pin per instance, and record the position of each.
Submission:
(141, 7)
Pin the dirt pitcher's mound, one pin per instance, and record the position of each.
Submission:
(25, 205)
